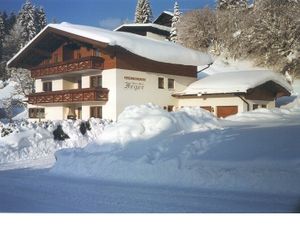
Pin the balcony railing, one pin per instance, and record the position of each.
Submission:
(69, 96)
(73, 65)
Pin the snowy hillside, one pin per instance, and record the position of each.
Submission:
(9, 93)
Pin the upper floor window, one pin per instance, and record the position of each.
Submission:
(97, 52)
(161, 83)
(96, 81)
(171, 83)
(47, 86)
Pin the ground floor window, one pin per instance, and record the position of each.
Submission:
(96, 112)
(255, 106)
(170, 108)
(36, 113)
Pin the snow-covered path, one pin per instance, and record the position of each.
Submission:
(39, 191)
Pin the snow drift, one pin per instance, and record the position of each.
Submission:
(190, 148)
(30, 141)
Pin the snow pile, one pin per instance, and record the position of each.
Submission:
(190, 148)
(146, 121)
(161, 51)
(29, 141)
(143, 146)
(260, 115)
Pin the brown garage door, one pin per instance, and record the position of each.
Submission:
(224, 111)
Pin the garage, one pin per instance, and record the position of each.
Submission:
(224, 111)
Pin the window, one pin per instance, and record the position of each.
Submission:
(96, 112)
(171, 83)
(161, 83)
(36, 113)
(264, 106)
(97, 52)
(47, 86)
(170, 108)
(96, 82)
(255, 106)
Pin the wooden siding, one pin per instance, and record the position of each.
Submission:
(69, 96)
(129, 61)
(67, 66)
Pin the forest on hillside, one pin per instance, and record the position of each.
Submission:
(266, 32)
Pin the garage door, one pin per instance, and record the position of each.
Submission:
(224, 111)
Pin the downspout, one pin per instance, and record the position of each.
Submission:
(208, 65)
(248, 105)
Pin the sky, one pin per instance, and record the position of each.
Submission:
(104, 13)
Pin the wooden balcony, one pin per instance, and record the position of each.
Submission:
(74, 65)
(69, 96)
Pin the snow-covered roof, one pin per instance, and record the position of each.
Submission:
(153, 25)
(234, 82)
(161, 51)
(164, 12)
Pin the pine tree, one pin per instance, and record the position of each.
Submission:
(175, 21)
(40, 19)
(231, 4)
(26, 19)
(2, 34)
(143, 12)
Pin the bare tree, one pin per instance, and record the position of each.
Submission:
(197, 29)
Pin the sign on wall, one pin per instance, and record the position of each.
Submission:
(134, 83)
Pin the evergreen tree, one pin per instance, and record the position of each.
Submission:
(175, 21)
(143, 12)
(231, 4)
(40, 19)
(27, 20)
(2, 34)
(10, 22)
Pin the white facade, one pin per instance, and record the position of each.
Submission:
(126, 87)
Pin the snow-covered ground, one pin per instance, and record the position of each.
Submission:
(154, 161)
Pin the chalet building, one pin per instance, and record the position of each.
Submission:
(230, 93)
(160, 29)
(82, 72)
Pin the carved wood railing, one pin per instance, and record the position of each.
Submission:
(84, 63)
(69, 96)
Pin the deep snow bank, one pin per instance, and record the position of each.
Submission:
(30, 141)
(139, 144)
(189, 148)
(146, 121)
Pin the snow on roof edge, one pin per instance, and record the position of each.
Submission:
(139, 45)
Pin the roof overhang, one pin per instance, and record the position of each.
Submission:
(57, 36)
